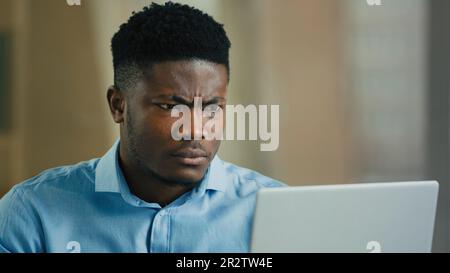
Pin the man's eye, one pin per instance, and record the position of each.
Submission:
(166, 106)
(212, 107)
(211, 110)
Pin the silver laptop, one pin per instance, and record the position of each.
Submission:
(370, 217)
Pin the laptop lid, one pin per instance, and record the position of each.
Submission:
(369, 217)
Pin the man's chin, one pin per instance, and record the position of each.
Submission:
(186, 177)
(186, 174)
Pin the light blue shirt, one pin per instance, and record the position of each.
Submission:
(88, 207)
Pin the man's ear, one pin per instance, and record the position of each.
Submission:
(116, 102)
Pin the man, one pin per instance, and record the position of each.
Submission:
(149, 192)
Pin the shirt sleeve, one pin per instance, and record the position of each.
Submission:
(20, 228)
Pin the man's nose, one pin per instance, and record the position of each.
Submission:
(197, 123)
(195, 132)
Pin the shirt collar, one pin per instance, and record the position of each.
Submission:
(109, 176)
(216, 177)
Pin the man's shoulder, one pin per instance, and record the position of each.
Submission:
(62, 177)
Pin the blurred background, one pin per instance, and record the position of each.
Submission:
(363, 90)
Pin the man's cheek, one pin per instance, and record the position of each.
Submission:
(159, 134)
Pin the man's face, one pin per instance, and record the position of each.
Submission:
(147, 121)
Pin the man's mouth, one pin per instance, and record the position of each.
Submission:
(193, 157)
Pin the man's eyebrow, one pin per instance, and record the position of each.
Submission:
(183, 100)
(214, 100)
(175, 98)
(179, 99)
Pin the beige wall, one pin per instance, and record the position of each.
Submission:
(58, 115)
(64, 106)
(5, 151)
(290, 55)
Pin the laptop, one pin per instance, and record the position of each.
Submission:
(369, 217)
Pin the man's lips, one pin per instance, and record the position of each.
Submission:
(192, 157)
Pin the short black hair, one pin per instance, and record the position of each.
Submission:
(168, 32)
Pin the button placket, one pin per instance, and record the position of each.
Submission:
(159, 241)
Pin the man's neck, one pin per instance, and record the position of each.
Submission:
(148, 187)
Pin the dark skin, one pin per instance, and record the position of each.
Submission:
(157, 168)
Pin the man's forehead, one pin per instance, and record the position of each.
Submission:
(216, 97)
(188, 71)
(187, 78)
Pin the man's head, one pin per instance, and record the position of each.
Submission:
(163, 56)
